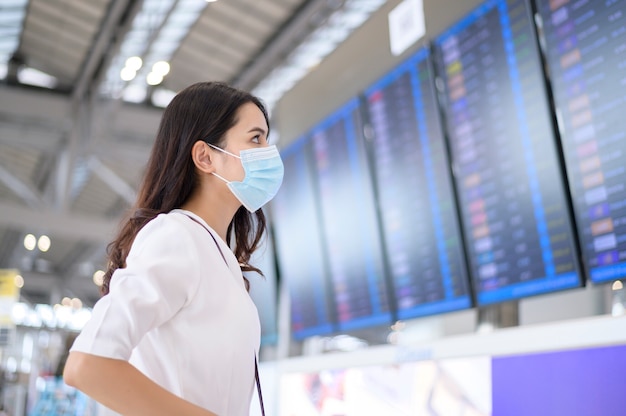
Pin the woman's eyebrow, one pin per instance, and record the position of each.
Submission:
(257, 129)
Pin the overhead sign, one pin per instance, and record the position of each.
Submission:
(406, 25)
(9, 295)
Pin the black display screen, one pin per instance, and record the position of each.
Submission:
(515, 214)
(421, 230)
(586, 56)
(349, 221)
(299, 251)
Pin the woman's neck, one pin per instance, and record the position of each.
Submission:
(206, 208)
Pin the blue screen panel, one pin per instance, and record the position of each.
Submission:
(349, 222)
(299, 250)
(423, 243)
(263, 290)
(515, 213)
(585, 52)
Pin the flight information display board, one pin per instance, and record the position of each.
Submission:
(586, 56)
(263, 290)
(299, 249)
(421, 230)
(514, 210)
(349, 222)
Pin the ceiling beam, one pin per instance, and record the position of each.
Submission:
(56, 287)
(69, 225)
(114, 26)
(285, 41)
(24, 109)
(24, 134)
(40, 282)
(35, 105)
(112, 179)
(109, 31)
(26, 192)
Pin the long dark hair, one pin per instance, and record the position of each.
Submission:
(202, 111)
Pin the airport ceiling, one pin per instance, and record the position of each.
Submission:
(72, 154)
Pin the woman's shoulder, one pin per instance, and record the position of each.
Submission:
(167, 231)
(162, 224)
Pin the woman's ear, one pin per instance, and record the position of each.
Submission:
(202, 157)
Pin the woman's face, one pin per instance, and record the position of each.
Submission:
(249, 131)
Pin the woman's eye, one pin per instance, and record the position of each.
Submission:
(256, 139)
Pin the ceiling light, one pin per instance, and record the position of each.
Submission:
(156, 32)
(98, 277)
(31, 76)
(128, 74)
(19, 311)
(44, 243)
(19, 281)
(135, 93)
(154, 79)
(30, 242)
(134, 62)
(161, 97)
(162, 68)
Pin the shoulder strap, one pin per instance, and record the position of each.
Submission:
(212, 236)
(258, 385)
(256, 366)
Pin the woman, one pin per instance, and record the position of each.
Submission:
(176, 332)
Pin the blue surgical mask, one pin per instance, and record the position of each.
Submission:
(263, 169)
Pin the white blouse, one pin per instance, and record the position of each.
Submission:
(180, 315)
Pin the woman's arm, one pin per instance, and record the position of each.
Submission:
(121, 387)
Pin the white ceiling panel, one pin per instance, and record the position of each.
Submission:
(8, 196)
(239, 16)
(58, 34)
(66, 19)
(209, 48)
(95, 198)
(212, 25)
(226, 38)
(275, 10)
(20, 162)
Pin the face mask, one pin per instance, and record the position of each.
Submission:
(263, 169)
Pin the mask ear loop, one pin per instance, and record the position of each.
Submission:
(220, 177)
(224, 151)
